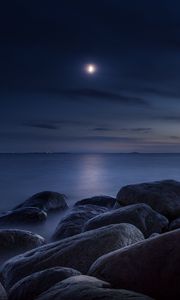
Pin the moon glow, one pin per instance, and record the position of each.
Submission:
(90, 68)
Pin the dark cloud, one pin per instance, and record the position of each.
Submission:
(101, 129)
(138, 130)
(41, 125)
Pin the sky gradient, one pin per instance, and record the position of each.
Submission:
(48, 103)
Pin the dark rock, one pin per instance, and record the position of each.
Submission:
(73, 223)
(77, 252)
(46, 201)
(175, 224)
(32, 286)
(23, 215)
(15, 241)
(140, 215)
(106, 201)
(163, 196)
(3, 294)
(87, 288)
(151, 267)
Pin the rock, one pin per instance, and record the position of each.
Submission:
(163, 196)
(175, 224)
(32, 286)
(77, 252)
(46, 201)
(106, 201)
(23, 215)
(87, 288)
(73, 223)
(151, 267)
(140, 215)
(15, 241)
(3, 294)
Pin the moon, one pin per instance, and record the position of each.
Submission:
(90, 69)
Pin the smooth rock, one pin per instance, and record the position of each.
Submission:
(46, 201)
(74, 221)
(78, 252)
(151, 267)
(33, 285)
(87, 288)
(140, 215)
(175, 224)
(3, 294)
(105, 201)
(15, 241)
(23, 215)
(163, 196)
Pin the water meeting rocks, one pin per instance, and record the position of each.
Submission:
(15, 241)
(23, 215)
(78, 252)
(105, 201)
(74, 221)
(163, 196)
(89, 288)
(151, 267)
(140, 215)
(46, 201)
(33, 285)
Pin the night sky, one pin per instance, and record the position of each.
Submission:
(49, 103)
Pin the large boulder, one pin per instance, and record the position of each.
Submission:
(151, 267)
(46, 201)
(15, 241)
(23, 215)
(77, 252)
(87, 288)
(73, 223)
(105, 201)
(163, 196)
(140, 215)
(3, 294)
(33, 285)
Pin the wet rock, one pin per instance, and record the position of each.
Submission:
(15, 241)
(32, 286)
(87, 288)
(46, 201)
(163, 196)
(105, 201)
(151, 267)
(140, 215)
(23, 215)
(77, 252)
(73, 223)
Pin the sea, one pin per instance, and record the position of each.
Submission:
(78, 176)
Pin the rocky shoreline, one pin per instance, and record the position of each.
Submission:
(121, 248)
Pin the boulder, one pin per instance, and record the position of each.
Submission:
(15, 241)
(77, 252)
(163, 196)
(151, 267)
(140, 215)
(73, 223)
(175, 224)
(3, 294)
(87, 288)
(33, 285)
(23, 215)
(105, 201)
(46, 201)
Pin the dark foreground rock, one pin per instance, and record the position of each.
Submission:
(175, 224)
(3, 294)
(14, 241)
(105, 201)
(77, 252)
(163, 196)
(73, 223)
(46, 201)
(151, 267)
(32, 286)
(23, 215)
(87, 288)
(140, 215)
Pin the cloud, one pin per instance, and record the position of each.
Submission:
(138, 130)
(102, 129)
(41, 125)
